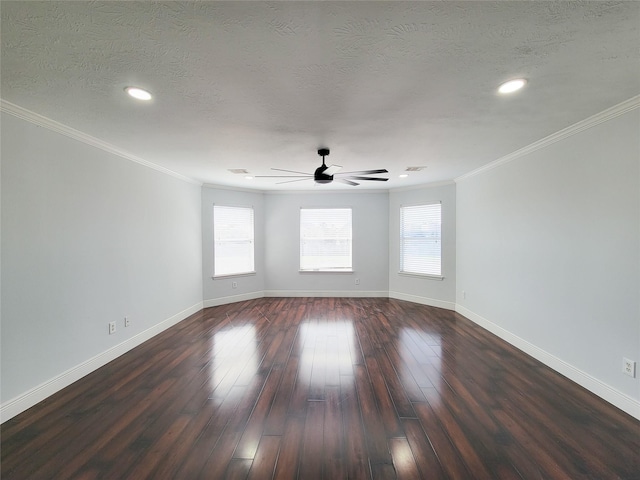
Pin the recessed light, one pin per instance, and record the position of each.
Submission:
(404, 175)
(248, 177)
(138, 93)
(512, 85)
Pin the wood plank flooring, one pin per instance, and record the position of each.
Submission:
(312, 388)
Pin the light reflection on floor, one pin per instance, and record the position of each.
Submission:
(235, 360)
(325, 351)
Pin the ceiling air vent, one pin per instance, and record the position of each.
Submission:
(414, 169)
(239, 170)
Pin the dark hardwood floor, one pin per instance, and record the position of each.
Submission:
(331, 388)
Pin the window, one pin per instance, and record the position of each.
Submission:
(325, 239)
(233, 240)
(420, 239)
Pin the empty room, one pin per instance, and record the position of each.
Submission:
(307, 240)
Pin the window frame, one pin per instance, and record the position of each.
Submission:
(251, 241)
(334, 270)
(402, 245)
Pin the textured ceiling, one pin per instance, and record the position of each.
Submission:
(256, 85)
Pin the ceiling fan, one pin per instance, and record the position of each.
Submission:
(324, 174)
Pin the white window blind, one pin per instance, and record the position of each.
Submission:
(325, 239)
(420, 239)
(233, 240)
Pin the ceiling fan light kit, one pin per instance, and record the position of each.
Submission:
(324, 174)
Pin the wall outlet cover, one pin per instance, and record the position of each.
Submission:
(629, 367)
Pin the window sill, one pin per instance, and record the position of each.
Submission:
(422, 275)
(325, 271)
(229, 275)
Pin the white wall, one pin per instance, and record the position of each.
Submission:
(88, 238)
(370, 217)
(219, 291)
(438, 293)
(546, 249)
(548, 253)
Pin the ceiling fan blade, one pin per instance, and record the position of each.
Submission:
(365, 172)
(368, 178)
(283, 176)
(333, 169)
(291, 181)
(348, 182)
(290, 171)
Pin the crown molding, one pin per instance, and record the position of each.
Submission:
(42, 121)
(319, 190)
(214, 186)
(581, 126)
(422, 186)
(322, 191)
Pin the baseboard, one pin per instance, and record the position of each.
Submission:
(325, 293)
(19, 404)
(599, 388)
(27, 400)
(432, 302)
(216, 302)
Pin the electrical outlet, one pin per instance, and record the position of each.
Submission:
(629, 367)
(234, 284)
(357, 281)
(127, 322)
(112, 328)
